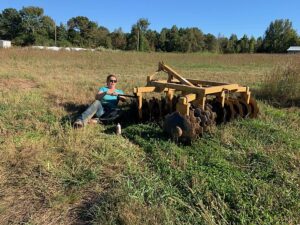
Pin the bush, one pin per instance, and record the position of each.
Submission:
(43, 41)
(63, 43)
(282, 85)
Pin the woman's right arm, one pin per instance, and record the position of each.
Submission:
(100, 95)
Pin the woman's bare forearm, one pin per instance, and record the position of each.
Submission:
(100, 95)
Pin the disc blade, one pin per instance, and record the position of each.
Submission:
(238, 108)
(220, 112)
(230, 112)
(254, 108)
(246, 108)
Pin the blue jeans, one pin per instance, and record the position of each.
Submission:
(95, 108)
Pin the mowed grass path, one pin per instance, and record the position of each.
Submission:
(246, 172)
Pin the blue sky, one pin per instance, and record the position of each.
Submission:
(216, 17)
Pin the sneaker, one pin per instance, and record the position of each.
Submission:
(78, 123)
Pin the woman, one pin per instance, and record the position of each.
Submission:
(107, 100)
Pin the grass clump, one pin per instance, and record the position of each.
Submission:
(281, 86)
(246, 172)
(228, 177)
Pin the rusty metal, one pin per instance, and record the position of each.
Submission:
(191, 107)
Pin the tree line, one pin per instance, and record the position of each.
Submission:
(29, 26)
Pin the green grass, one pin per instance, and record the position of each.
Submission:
(245, 172)
(236, 182)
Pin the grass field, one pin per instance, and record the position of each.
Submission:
(245, 172)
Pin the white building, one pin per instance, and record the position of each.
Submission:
(5, 44)
(294, 49)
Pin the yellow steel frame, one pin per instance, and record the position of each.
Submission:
(192, 91)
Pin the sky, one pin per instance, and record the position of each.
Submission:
(215, 16)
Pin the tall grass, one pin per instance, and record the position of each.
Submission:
(281, 86)
(247, 172)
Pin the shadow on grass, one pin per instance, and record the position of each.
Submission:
(74, 111)
(127, 116)
(142, 133)
(71, 107)
(97, 208)
(275, 101)
(138, 128)
(127, 119)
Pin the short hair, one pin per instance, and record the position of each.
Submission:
(110, 76)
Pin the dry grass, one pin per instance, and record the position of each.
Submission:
(52, 174)
(282, 85)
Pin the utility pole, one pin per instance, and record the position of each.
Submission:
(138, 39)
(54, 34)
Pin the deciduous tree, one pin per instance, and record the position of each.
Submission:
(118, 39)
(10, 21)
(279, 36)
(232, 44)
(211, 43)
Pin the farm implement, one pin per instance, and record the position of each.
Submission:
(190, 107)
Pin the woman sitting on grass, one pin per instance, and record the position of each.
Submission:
(106, 101)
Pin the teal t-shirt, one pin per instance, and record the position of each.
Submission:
(110, 100)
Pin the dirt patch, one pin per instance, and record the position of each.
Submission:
(16, 84)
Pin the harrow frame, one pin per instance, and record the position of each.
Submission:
(193, 91)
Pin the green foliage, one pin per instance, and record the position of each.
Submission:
(218, 178)
(211, 43)
(259, 45)
(192, 40)
(139, 30)
(252, 43)
(26, 27)
(222, 44)
(82, 31)
(279, 36)
(152, 38)
(232, 44)
(244, 44)
(10, 22)
(31, 23)
(118, 39)
(174, 41)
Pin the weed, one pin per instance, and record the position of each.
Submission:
(282, 85)
(247, 172)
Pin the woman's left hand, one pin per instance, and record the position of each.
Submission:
(122, 98)
(114, 94)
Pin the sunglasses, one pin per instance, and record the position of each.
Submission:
(113, 81)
